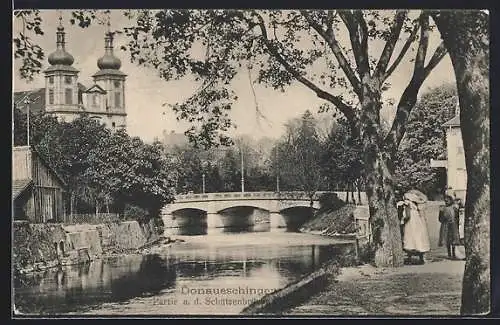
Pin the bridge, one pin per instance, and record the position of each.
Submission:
(281, 210)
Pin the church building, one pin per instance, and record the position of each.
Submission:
(66, 98)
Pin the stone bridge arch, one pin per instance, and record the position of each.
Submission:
(182, 218)
(220, 206)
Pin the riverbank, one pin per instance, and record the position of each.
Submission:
(419, 290)
(38, 247)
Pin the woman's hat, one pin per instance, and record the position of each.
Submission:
(416, 196)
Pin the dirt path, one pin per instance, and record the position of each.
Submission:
(430, 289)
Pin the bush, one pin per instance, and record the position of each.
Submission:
(366, 252)
(134, 212)
(159, 225)
(330, 201)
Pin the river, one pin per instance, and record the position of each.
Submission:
(205, 275)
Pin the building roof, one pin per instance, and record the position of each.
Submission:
(455, 121)
(19, 186)
(36, 97)
(27, 149)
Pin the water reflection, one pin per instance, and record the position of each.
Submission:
(148, 284)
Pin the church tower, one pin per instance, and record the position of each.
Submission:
(112, 80)
(61, 80)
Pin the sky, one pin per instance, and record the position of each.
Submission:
(146, 92)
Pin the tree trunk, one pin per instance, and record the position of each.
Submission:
(71, 203)
(386, 234)
(466, 36)
(379, 170)
(359, 193)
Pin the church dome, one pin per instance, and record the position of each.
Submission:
(60, 56)
(109, 61)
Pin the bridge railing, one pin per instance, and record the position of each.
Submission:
(223, 196)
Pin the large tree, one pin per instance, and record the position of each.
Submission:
(286, 46)
(466, 36)
(300, 154)
(342, 159)
(425, 139)
(130, 172)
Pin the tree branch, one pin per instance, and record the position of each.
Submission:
(330, 39)
(363, 39)
(422, 46)
(353, 26)
(409, 98)
(438, 55)
(348, 111)
(401, 55)
(390, 44)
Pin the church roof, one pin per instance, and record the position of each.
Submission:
(455, 121)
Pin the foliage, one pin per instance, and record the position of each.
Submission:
(342, 159)
(31, 54)
(330, 201)
(298, 155)
(134, 212)
(222, 168)
(131, 171)
(425, 139)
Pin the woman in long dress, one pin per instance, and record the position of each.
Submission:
(415, 234)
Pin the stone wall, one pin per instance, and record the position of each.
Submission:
(127, 235)
(42, 246)
(34, 245)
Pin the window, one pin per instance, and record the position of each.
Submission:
(51, 96)
(51, 80)
(68, 96)
(460, 150)
(118, 97)
(67, 80)
(95, 100)
(117, 84)
(113, 124)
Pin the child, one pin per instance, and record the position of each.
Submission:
(448, 233)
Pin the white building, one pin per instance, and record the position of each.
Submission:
(455, 162)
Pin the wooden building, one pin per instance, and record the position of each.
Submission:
(37, 190)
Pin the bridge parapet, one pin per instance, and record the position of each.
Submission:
(226, 196)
